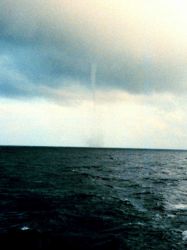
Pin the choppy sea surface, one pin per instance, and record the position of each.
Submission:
(83, 198)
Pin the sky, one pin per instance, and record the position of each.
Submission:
(95, 73)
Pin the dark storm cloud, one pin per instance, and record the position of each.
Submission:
(40, 48)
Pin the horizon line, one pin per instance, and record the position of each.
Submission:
(95, 147)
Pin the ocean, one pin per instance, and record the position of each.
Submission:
(91, 198)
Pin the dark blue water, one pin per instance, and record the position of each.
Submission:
(78, 198)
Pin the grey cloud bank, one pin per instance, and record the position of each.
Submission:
(46, 46)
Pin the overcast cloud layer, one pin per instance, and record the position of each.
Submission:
(118, 69)
(47, 48)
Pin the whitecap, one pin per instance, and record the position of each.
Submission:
(170, 215)
(184, 235)
(179, 206)
(25, 228)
